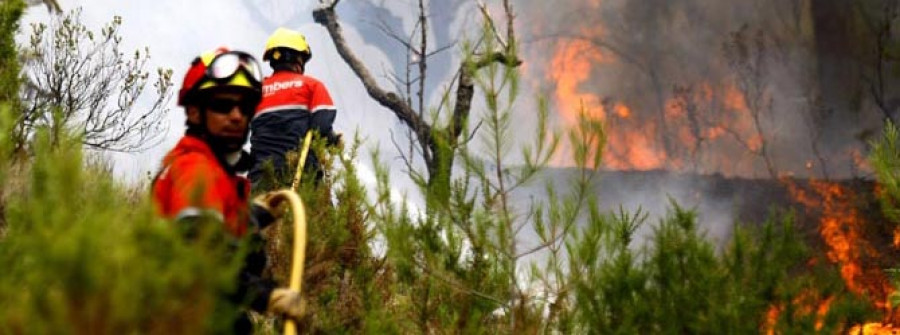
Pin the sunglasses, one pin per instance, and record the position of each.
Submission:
(225, 106)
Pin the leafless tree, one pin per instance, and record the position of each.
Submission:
(78, 79)
(696, 119)
(882, 20)
(436, 140)
(746, 52)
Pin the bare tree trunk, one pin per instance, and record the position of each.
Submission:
(438, 144)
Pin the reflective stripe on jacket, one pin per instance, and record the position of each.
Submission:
(286, 90)
(193, 182)
(292, 104)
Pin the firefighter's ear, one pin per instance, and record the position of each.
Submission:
(193, 114)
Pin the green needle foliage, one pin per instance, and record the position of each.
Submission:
(678, 283)
(10, 12)
(80, 257)
(885, 158)
(79, 254)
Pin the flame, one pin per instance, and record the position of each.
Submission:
(841, 228)
(689, 131)
(874, 328)
(896, 237)
(804, 301)
(596, 70)
(633, 150)
(622, 111)
(772, 319)
(734, 99)
(572, 64)
(714, 132)
(693, 124)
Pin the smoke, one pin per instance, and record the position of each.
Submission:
(693, 73)
(741, 89)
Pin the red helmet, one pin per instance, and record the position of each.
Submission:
(221, 68)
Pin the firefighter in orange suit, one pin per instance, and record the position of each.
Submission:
(200, 177)
(292, 104)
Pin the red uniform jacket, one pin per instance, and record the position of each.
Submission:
(286, 90)
(192, 182)
(292, 104)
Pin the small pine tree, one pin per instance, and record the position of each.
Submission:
(885, 158)
(79, 256)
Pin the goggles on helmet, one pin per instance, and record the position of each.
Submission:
(227, 65)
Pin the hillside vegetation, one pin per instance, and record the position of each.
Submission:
(83, 254)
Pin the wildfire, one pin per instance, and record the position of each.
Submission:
(874, 329)
(897, 237)
(805, 300)
(691, 126)
(841, 228)
(734, 99)
(572, 64)
(622, 111)
(633, 150)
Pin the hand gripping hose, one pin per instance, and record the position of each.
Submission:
(299, 254)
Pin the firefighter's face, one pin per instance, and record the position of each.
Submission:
(227, 118)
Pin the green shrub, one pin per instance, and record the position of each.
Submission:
(678, 283)
(79, 257)
(10, 12)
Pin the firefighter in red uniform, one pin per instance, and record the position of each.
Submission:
(199, 178)
(292, 104)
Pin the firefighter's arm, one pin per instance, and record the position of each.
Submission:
(193, 197)
(323, 113)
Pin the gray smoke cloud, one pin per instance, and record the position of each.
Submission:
(815, 111)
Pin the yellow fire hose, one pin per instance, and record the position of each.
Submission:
(299, 254)
(302, 162)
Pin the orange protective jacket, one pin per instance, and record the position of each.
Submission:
(193, 181)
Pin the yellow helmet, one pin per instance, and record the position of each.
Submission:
(284, 38)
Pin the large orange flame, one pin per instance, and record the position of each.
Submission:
(841, 229)
(701, 123)
(572, 64)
